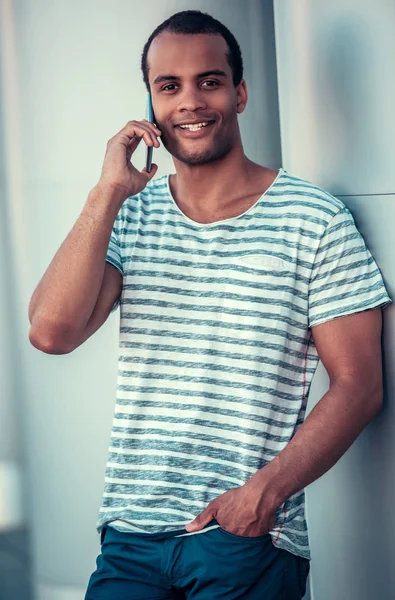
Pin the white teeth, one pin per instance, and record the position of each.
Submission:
(194, 127)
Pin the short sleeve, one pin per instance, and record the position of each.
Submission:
(114, 256)
(114, 250)
(345, 278)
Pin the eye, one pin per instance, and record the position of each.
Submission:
(169, 87)
(211, 83)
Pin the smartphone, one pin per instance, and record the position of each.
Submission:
(150, 117)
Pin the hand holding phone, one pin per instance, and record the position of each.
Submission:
(118, 172)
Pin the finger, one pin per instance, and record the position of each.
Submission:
(151, 174)
(156, 132)
(131, 135)
(154, 127)
(148, 137)
(134, 142)
(201, 520)
(143, 134)
(141, 128)
(133, 128)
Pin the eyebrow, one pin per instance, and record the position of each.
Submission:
(162, 78)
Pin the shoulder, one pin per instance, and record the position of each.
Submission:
(156, 187)
(155, 191)
(310, 198)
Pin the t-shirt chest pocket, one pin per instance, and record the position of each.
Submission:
(263, 278)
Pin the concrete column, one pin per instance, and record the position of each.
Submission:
(336, 99)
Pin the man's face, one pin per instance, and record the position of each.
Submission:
(191, 83)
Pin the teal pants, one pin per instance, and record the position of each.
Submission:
(213, 565)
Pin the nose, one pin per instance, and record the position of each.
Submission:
(191, 100)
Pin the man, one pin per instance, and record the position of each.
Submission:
(233, 280)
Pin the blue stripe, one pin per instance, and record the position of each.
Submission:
(346, 296)
(213, 381)
(160, 392)
(265, 360)
(378, 301)
(217, 240)
(179, 306)
(213, 338)
(219, 226)
(255, 358)
(345, 281)
(145, 389)
(178, 462)
(260, 284)
(342, 256)
(191, 448)
(247, 431)
(137, 259)
(218, 254)
(223, 295)
(192, 435)
(283, 229)
(226, 412)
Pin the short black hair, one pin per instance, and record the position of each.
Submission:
(192, 22)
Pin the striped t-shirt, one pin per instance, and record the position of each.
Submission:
(216, 354)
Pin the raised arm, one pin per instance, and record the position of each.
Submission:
(76, 293)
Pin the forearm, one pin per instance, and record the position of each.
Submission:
(67, 293)
(326, 434)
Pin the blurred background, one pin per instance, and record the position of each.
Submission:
(321, 87)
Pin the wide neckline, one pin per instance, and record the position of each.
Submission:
(214, 223)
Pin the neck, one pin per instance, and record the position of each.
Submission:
(211, 187)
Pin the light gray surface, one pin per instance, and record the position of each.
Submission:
(350, 508)
(8, 418)
(337, 92)
(15, 563)
(337, 129)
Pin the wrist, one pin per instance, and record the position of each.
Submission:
(107, 198)
(269, 485)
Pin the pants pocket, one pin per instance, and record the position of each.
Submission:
(242, 538)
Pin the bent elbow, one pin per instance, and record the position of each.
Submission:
(49, 344)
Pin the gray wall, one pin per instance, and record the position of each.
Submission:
(15, 580)
(337, 93)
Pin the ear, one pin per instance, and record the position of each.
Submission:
(242, 96)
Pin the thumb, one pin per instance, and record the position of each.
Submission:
(151, 174)
(201, 520)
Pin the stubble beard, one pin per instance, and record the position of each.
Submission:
(219, 149)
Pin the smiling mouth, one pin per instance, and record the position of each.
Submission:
(195, 126)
